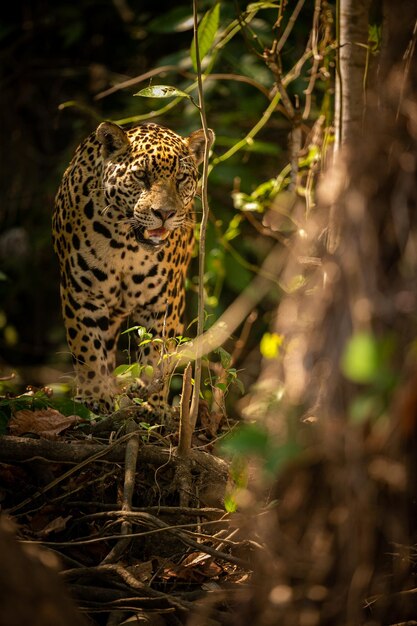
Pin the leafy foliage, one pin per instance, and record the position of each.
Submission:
(207, 31)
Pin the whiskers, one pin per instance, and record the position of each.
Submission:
(105, 209)
(188, 222)
(131, 222)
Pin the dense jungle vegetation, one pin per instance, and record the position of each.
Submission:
(294, 503)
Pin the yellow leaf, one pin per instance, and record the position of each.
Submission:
(270, 345)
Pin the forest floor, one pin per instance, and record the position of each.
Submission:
(139, 529)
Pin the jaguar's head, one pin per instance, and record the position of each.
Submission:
(150, 174)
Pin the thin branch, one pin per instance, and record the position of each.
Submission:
(289, 27)
(252, 133)
(186, 431)
(164, 69)
(316, 59)
(130, 82)
(238, 310)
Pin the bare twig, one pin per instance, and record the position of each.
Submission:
(132, 449)
(289, 27)
(316, 55)
(184, 444)
(183, 478)
(158, 526)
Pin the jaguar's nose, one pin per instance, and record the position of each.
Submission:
(163, 214)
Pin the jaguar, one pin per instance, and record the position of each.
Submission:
(123, 231)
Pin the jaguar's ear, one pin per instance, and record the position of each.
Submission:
(112, 138)
(196, 144)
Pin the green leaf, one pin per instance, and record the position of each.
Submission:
(162, 91)
(361, 358)
(67, 406)
(144, 342)
(148, 371)
(139, 329)
(365, 407)
(225, 357)
(233, 229)
(181, 340)
(206, 33)
(128, 370)
(230, 504)
(239, 385)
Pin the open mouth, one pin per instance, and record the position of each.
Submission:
(157, 235)
(153, 237)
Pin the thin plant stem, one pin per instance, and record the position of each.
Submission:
(203, 225)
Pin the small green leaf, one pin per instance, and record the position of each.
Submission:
(221, 386)
(133, 329)
(225, 357)
(128, 370)
(365, 407)
(230, 504)
(162, 91)
(181, 340)
(148, 371)
(206, 33)
(361, 358)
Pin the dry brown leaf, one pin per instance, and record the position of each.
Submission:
(179, 572)
(195, 558)
(55, 526)
(46, 423)
(204, 563)
(141, 571)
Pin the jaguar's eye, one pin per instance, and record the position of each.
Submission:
(181, 177)
(141, 176)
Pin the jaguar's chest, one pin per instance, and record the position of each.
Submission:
(139, 276)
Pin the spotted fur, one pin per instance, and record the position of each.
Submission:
(123, 231)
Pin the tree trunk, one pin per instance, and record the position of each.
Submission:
(351, 69)
(340, 538)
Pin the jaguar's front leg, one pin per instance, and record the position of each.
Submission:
(92, 340)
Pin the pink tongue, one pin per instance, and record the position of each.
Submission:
(158, 232)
